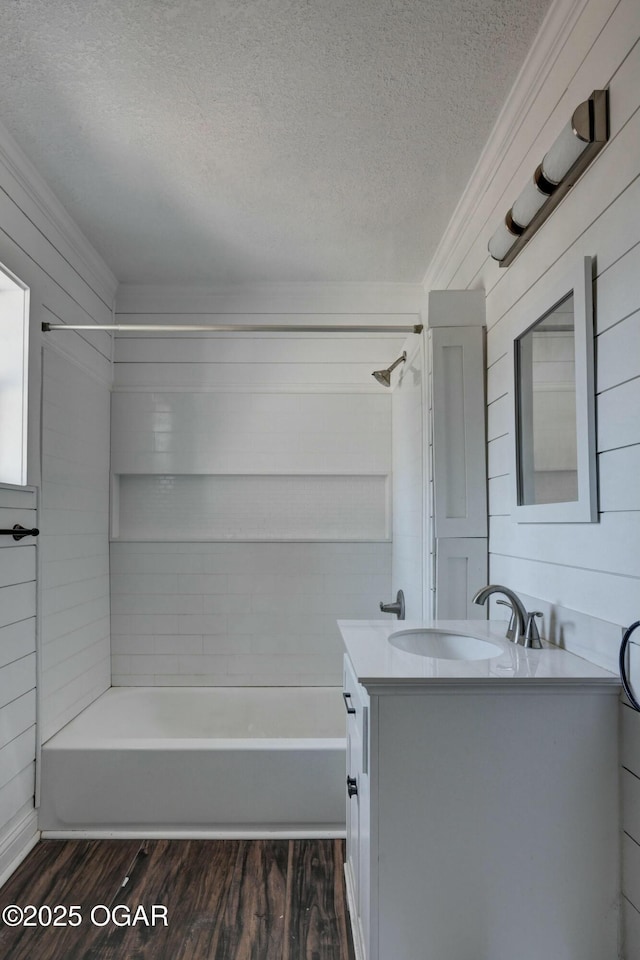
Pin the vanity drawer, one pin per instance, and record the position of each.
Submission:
(356, 701)
(354, 694)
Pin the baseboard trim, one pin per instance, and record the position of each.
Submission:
(356, 929)
(17, 844)
(171, 833)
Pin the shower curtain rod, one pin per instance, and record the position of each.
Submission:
(230, 328)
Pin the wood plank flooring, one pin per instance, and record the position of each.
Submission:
(225, 900)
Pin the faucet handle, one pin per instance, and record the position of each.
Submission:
(531, 633)
(511, 629)
(397, 607)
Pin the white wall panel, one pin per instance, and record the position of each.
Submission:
(17, 566)
(68, 282)
(13, 794)
(498, 417)
(620, 530)
(618, 290)
(17, 678)
(17, 667)
(631, 802)
(17, 754)
(499, 456)
(74, 540)
(236, 613)
(618, 351)
(618, 472)
(461, 570)
(618, 421)
(18, 641)
(408, 441)
(459, 439)
(500, 495)
(294, 348)
(243, 433)
(498, 378)
(216, 376)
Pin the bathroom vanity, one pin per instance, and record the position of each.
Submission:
(482, 808)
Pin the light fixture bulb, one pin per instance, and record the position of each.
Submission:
(567, 149)
(533, 198)
(504, 238)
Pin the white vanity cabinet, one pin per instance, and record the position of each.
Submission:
(358, 866)
(485, 823)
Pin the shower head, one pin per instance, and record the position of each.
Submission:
(384, 376)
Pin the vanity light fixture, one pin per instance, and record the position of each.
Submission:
(581, 139)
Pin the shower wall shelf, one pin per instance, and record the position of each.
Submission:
(250, 507)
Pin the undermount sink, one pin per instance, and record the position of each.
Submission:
(427, 642)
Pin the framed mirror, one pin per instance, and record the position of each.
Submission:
(554, 466)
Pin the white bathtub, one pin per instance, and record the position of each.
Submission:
(199, 762)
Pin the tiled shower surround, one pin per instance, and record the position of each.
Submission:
(244, 523)
(239, 613)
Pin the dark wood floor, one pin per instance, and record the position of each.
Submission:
(225, 900)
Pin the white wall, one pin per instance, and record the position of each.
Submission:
(592, 569)
(76, 666)
(17, 676)
(408, 445)
(289, 422)
(630, 783)
(68, 282)
(239, 613)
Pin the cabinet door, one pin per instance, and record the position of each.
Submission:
(354, 754)
(458, 413)
(354, 770)
(358, 817)
(364, 829)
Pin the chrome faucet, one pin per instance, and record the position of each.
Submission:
(522, 625)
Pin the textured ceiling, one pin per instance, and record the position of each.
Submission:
(248, 140)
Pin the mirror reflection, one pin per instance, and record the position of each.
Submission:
(546, 408)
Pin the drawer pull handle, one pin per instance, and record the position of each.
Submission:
(352, 786)
(347, 697)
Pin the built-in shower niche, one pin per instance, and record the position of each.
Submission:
(191, 507)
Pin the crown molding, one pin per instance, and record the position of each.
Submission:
(550, 39)
(82, 256)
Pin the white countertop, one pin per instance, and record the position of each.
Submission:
(378, 664)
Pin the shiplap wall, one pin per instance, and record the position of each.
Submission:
(76, 664)
(68, 282)
(593, 569)
(267, 408)
(17, 676)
